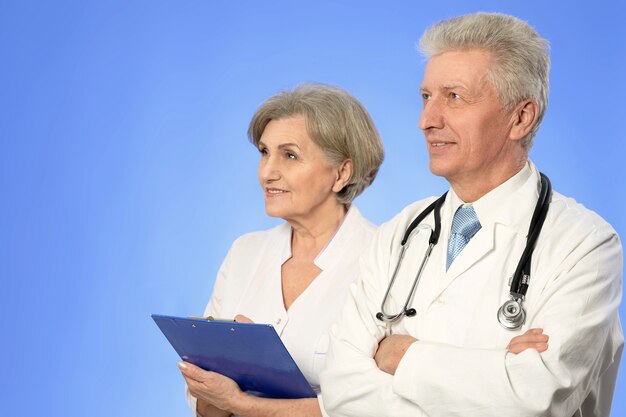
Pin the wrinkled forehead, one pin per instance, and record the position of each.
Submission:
(459, 68)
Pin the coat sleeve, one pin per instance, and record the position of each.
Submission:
(352, 384)
(577, 308)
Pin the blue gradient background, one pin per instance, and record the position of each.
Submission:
(126, 173)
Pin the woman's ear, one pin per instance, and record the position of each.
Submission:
(344, 173)
(524, 118)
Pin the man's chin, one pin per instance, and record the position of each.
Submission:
(440, 169)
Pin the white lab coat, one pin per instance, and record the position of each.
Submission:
(249, 283)
(460, 366)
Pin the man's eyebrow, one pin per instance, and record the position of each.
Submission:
(452, 86)
(445, 87)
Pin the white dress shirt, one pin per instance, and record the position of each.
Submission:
(459, 365)
(249, 283)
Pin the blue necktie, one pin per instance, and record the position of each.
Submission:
(464, 225)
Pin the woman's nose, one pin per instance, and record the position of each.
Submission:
(268, 170)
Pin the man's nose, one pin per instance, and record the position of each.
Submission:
(432, 115)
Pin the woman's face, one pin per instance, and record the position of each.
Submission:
(296, 177)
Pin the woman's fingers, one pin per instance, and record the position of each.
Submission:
(212, 387)
(240, 318)
(192, 371)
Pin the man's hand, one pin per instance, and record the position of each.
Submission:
(391, 350)
(532, 339)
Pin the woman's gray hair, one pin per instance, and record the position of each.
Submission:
(521, 55)
(337, 123)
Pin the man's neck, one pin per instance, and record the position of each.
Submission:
(471, 188)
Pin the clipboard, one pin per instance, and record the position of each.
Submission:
(251, 354)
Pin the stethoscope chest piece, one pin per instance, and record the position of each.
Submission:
(511, 314)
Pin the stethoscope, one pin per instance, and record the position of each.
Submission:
(511, 314)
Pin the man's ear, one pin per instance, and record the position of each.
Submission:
(344, 173)
(524, 118)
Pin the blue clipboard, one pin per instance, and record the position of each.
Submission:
(251, 354)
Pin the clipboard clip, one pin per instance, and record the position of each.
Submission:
(210, 318)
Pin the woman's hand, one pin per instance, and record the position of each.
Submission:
(204, 409)
(240, 318)
(211, 387)
(532, 339)
(220, 396)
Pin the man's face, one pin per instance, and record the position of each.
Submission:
(464, 122)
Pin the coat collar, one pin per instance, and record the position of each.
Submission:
(336, 246)
(507, 206)
(331, 253)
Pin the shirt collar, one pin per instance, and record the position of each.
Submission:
(340, 240)
(284, 243)
(505, 203)
(331, 252)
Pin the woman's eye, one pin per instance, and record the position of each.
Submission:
(263, 151)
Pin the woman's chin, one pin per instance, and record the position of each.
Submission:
(275, 212)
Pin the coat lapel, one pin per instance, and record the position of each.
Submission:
(499, 211)
(481, 245)
(477, 248)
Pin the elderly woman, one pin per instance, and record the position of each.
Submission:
(319, 149)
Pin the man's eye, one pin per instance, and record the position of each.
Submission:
(454, 96)
(291, 155)
(263, 151)
(425, 96)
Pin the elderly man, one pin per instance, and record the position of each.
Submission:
(451, 351)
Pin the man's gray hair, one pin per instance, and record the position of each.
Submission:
(337, 123)
(522, 56)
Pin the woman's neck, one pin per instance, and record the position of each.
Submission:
(311, 235)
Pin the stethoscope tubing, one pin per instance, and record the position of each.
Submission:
(432, 241)
(521, 277)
